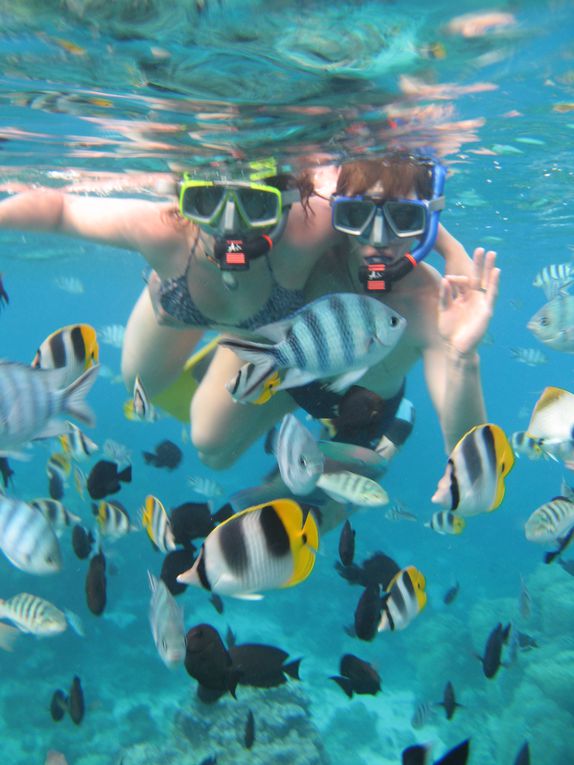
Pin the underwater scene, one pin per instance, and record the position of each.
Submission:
(286, 390)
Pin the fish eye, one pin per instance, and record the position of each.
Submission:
(394, 321)
(302, 461)
(544, 321)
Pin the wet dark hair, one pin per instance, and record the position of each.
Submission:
(399, 174)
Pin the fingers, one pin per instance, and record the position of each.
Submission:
(444, 295)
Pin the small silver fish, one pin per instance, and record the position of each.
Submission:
(117, 452)
(205, 486)
(532, 357)
(299, 458)
(422, 714)
(398, 512)
(70, 284)
(524, 600)
(553, 324)
(112, 334)
(166, 620)
(345, 486)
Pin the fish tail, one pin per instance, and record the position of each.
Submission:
(292, 669)
(74, 394)
(126, 475)
(8, 636)
(150, 458)
(345, 684)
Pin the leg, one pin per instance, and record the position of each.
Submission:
(155, 353)
(222, 429)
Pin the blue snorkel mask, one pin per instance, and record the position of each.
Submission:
(381, 223)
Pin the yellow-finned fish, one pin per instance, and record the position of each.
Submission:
(446, 522)
(139, 408)
(240, 387)
(552, 424)
(76, 443)
(473, 481)
(58, 469)
(113, 519)
(156, 522)
(406, 597)
(73, 348)
(265, 547)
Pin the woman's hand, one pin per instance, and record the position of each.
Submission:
(466, 304)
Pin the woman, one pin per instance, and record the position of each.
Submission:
(195, 286)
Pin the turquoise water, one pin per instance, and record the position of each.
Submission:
(115, 96)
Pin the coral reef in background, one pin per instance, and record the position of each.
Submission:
(284, 732)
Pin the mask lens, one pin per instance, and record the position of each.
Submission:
(202, 203)
(406, 218)
(258, 206)
(352, 216)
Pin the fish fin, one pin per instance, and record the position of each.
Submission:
(294, 378)
(22, 456)
(544, 415)
(75, 622)
(8, 636)
(458, 755)
(74, 394)
(344, 683)
(52, 429)
(129, 410)
(343, 382)
(126, 475)
(418, 754)
(150, 458)
(292, 668)
(303, 537)
(246, 595)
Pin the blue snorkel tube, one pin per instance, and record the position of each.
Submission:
(377, 275)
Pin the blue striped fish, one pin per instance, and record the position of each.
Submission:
(31, 400)
(27, 538)
(336, 336)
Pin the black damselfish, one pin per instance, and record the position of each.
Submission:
(249, 737)
(491, 660)
(357, 676)
(368, 613)
(262, 666)
(105, 478)
(96, 584)
(165, 455)
(58, 705)
(378, 569)
(76, 704)
(418, 755)
(208, 662)
(82, 541)
(449, 701)
(174, 564)
(347, 544)
(191, 520)
(451, 594)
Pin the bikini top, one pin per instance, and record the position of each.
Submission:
(174, 306)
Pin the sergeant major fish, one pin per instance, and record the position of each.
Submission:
(27, 538)
(336, 336)
(477, 466)
(344, 486)
(31, 400)
(554, 279)
(37, 616)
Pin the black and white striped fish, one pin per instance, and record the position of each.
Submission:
(139, 407)
(58, 515)
(532, 357)
(32, 399)
(446, 522)
(554, 279)
(551, 521)
(156, 522)
(405, 599)
(345, 486)
(27, 538)
(72, 349)
(33, 614)
(265, 547)
(336, 336)
(113, 519)
(76, 443)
